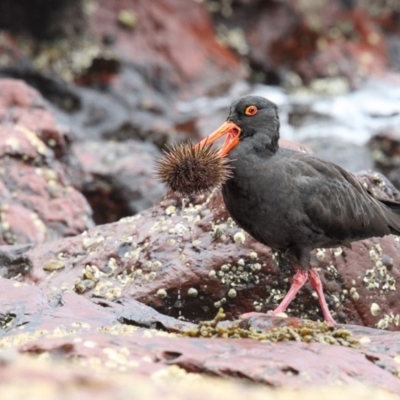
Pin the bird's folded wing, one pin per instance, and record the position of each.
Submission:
(339, 207)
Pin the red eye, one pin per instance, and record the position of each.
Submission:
(251, 110)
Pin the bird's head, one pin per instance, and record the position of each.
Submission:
(248, 116)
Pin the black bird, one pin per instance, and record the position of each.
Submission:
(292, 201)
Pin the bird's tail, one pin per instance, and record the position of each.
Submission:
(393, 205)
(392, 215)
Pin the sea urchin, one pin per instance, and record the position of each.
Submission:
(192, 169)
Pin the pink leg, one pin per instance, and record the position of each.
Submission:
(299, 279)
(316, 284)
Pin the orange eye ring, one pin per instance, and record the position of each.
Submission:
(251, 110)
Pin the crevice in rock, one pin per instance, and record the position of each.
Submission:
(143, 324)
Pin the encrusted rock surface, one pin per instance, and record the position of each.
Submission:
(385, 148)
(121, 338)
(188, 262)
(38, 202)
(46, 380)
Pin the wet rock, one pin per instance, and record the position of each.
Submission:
(38, 313)
(190, 262)
(106, 172)
(251, 360)
(311, 39)
(23, 105)
(379, 185)
(12, 262)
(385, 148)
(117, 178)
(172, 55)
(124, 94)
(121, 114)
(119, 338)
(335, 126)
(46, 379)
(38, 202)
(51, 87)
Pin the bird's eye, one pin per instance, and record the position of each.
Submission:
(251, 110)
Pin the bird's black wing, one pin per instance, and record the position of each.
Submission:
(338, 206)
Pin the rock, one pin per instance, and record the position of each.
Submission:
(37, 201)
(128, 76)
(12, 264)
(22, 105)
(335, 126)
(46, 379)
(119, 340)
(172, 55)
(313, 40)
(378, 185)
(30, 307)
(385, 147)
(189, 262)
(117, 178)
(43, 19)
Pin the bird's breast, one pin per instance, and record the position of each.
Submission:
(259, 201)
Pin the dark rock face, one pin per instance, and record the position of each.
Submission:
(38, 202)
(43, 18)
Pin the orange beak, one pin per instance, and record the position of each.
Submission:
(232, 139)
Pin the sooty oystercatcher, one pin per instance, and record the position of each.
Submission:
(292, 201)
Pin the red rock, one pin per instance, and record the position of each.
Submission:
(21, 225)
(9, 48)
(117, 177)
(266, 363)
(322, 40)
(177, 55)
(385, 150)
(70, 327)
(190, 262)
(22, 105)
(45, 379)
(38, 202)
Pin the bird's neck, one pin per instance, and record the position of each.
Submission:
(266, 144)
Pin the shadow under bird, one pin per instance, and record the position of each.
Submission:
(291, 201)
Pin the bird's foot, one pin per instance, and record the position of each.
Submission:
(275, 313)
(316, 284)
(299, 279)
(251, 314)
(329, 319)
